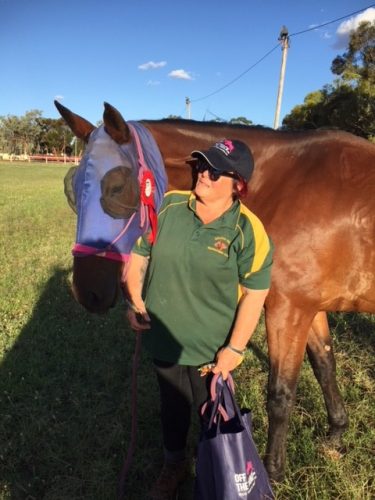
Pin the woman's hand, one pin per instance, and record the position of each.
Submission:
(226, 361)
(136, 314)
(138, 317)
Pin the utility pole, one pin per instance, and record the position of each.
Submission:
(188, 109)
(284, 40)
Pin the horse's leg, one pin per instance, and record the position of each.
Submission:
(322, 360)
(287, 332)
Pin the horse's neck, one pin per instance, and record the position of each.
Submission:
(176, 140)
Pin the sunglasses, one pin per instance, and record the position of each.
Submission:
(213, 173)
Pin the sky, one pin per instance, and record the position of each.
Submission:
(145, 57)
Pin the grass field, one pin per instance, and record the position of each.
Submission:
(65, 376)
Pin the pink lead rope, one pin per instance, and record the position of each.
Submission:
(147, 184)
(130, 453)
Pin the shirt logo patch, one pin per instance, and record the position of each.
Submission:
(220, 245)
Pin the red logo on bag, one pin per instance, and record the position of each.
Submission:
(249, 467)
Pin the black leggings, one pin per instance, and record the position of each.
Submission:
(181, 387)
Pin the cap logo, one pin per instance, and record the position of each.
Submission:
(225, 146)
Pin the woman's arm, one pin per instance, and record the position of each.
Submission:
(248, 313)
(136, 272)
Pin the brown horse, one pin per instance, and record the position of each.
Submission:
(315, 193)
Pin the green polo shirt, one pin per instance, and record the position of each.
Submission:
(192, 284)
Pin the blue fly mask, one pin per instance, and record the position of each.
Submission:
(116, 192)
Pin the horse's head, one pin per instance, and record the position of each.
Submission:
(112, 207)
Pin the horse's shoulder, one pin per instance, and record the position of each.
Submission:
(252, 228)
(248, 218)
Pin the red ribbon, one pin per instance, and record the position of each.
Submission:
(147, 198)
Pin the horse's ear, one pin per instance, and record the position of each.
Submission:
(115, 125)
(80, 127)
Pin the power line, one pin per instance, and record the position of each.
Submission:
(238, 77)
(275, 47)
(333, 21)
(215, 116)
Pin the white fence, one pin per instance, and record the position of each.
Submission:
(41, 158)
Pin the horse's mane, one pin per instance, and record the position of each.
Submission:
(197, 123)
(323, 132)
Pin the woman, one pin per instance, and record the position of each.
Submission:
(208, 244)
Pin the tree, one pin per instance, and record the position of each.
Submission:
(357, 65)
(240, 120)
(31, 133)
(19, 132)
(54, 137)
(348, 103)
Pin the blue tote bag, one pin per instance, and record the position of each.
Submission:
(228, 465)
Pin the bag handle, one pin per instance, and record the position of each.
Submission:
(216, 410)
(227, 400)
(215, 380)
(213, 392)
(232, 408)
(223, 403)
